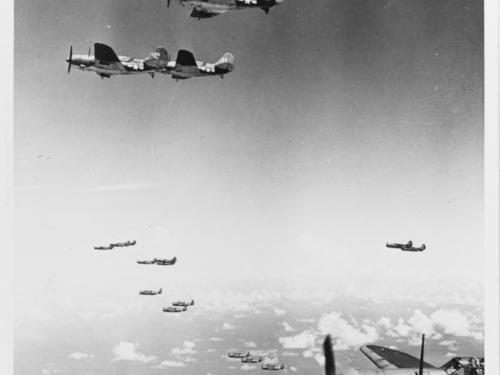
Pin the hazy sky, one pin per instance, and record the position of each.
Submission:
(344, 125)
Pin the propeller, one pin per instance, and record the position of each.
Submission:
(329, 356)
(70, 57)
(421, 363)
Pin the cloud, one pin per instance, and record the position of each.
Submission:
(402, 329)
(79, 355)
(247, 366)
(346, 333)
(227, 326)
(452, 322)
(420, 322)
(186, 349)
(126, 351)
(215, 339)
(250, 344)
(293, 368)
(384, 322)
(306, 339)
(165, 364)
(287, 327)
(279, 312)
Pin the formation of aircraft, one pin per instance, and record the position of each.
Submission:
(238, 355)
(165, 262)
(150, 292)
(183, 304)
(393, 362)
(173, 309)
(405, 246)
(105, 62)
(273, 366)
(212, 8)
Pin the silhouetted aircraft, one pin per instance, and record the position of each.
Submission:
(251, 359)
(166, 262)
(110, 247)
(394, 362)
(182, 303)
(123, 244)
(212, 8)
(238, 354)
(273, 366)
(174, 309)
(405, 247)
(150, 292)
(146, 261)
(186, 66)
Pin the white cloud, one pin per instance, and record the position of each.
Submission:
(79, 355)
(303, 340)
(215, 339)
(247, 366)
(420, 322)
(165, 364)
(345, 332)
(384, 322)
(402, 329)
(279, 312)
(250, 344)
(293, 368)
(287, 327)
(289, 354)
(187, 348)
(227, 326)
(452, 322)
(126, 351)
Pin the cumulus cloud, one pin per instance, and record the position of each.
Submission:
(126, 351)
(215, 339)
(279, 312)
(452, 322)
(402, 329)
(345, 332)
(293, 368)
(420, 322)
(79, 355)
(186, 349)
(287, 327)
(384, 322)
(303, 340)
(165, 364)
(250, 344)
(227, 326)
(247, 366)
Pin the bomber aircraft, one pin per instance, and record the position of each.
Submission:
(394, 362)
(172, 309)
(250, 359)
(110, 247)
(273, 366)
(123, 244)
(182, 303)
(150, 292)
(106, 63)
(212, 8)
(405, 247)
(166, 262)
(146, 261)
(238, 355)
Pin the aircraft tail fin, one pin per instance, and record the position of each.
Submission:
(192, 302)
(105, 53)
(185, 58)
(160, 291)
(329, 356)
(174, 259)
(227, 58)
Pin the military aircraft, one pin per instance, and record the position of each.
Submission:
(238, 355)
(150, 292)
(166, 262)
(251, 359)
(212, 8)
(110, 247)
(123, 244)
(174, 309)
(186, 66)
(273, 366)
(182, 303)
(146, 261)
(405, 247)
(394, 362)
(105, 62)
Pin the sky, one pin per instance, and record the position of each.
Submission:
(343, 126)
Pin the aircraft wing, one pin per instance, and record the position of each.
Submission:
(385, 358)
(106, 58)
(200, 12)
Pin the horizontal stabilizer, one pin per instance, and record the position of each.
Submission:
(185, 58)
(105, 53)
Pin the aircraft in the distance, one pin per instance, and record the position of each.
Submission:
(212, 8)
(166, 262)
(405, 247)
(146, 261)
(110, 247)
(174, 309)
(105, 62)
(182, 303)
(186, 66)
(273, 366)
(238, 355)
(394, 362)
(251, 359)
(123, 244)
(150, 292)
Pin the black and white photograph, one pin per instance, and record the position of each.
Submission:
(238, 187)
